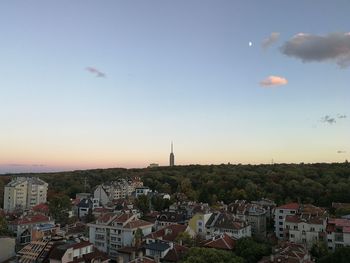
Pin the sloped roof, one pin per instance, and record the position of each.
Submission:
(137, 223)
(223, 241)
(290, 206)
(176, 253)
(168, 233)
(31, 219)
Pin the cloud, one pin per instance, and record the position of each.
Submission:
(341, 151)
(273, 37)
(342, 116)
(96, 72)
(328, 119)
(334, 47)
(272, 81)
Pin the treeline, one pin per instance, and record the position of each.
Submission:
(320, 184)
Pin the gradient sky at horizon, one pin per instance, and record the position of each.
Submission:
(177, 71)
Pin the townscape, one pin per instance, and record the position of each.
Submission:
(124, 220)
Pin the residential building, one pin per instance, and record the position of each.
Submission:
(7, 248)
(222, 241)
(254, 214)
(44, 231)
(288, 252)
(24, 193)
(168, 233)
(82, 251)
(119, 189)
(220, 223)
(280, 215)
(164, 251)
(144, 190)
(305, 230)
(167, 218)
(196, 225)
(338, 233)
(114, 230)
(23, 226)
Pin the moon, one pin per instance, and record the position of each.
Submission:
(250, 43)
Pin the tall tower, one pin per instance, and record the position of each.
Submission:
(172, 156)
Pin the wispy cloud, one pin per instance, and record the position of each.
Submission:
(342, 116)
(270, 40)
(341, 151)
(333, 47)
(328, 119)
(272, 81)
(96, 72)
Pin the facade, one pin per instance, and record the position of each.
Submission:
(254, 214)
(196, 225)
(24, 193)
(221, 223)
(7, 248)
(119, 189)
(306, 230)
(24, 226)
(280, 215)
(141, 191)
(112, 231)
(338, 233)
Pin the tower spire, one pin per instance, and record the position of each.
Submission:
(172, 147)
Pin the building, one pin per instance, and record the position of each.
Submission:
(23, 226)
(280, 215)
(172, 156)
(196, 225)
(144, 190)
(112, 231)
(7, 248)
(167, 218)
(220, 223)
(338, 233)
(169, 233)
(119, 189)
(153, 165)
(254, 214)
(288, 252)
(223, 241)
(24, 193)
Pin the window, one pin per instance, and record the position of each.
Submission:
(295, 227)
(281, 235)
(281, 229)
(280, 217)
(312, 229)
(281, 211)
(292, 235)
(292, 212)
(329, 240)
(280, 223)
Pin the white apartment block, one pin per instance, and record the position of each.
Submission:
(115, 190)
(280, 215)
(338, 233)
(305, 229)
(112, 231)
(24, 193)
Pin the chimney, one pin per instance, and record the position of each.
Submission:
(141, 255)
(132, 255)
(156, 259)
(120, 259)
(272, 258)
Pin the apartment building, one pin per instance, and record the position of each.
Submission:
(24, 193)
(254, 214)
(280, 215)
(338, 233)
(112, 231)
(220, 223)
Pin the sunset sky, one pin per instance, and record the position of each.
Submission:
(94, 84)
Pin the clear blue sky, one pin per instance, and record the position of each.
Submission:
(175, 70)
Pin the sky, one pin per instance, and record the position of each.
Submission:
(96, 84)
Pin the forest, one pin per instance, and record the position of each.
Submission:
(319, 183)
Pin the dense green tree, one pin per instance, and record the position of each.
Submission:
(4, 231)
(341, 255)
(209, 255)
(185, 239)
(319, 250)
(59, 207)
(251, 250)
(143, 203)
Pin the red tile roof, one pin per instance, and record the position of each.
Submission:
(176, 253)
(168, 233)
(137, 223)
(41, 208)
(290, 206)
(31, 220)
(223, 241)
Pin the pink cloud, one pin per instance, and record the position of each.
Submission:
(272, 81)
